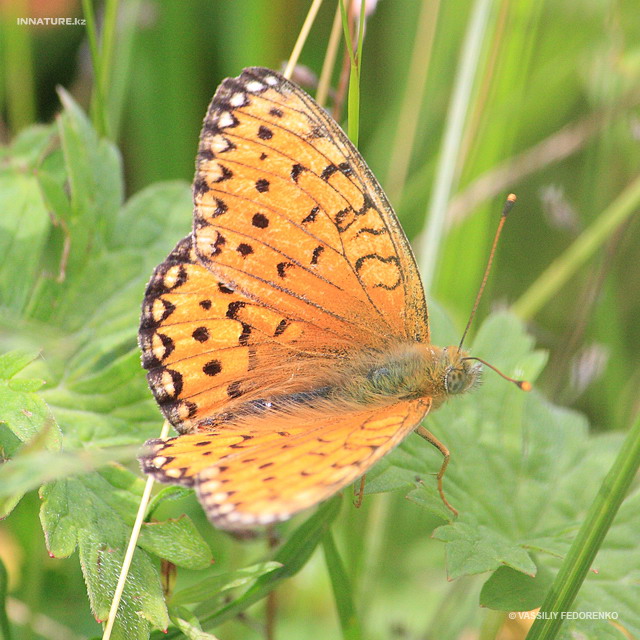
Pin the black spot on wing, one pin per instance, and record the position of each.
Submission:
(328, 171)
(264, 133)
(200, 186)
(312, 215)
(201, 334)
(262, 185)
(233, 309)
(260, 221)
(244, 336)
(296, 170)
(282, 325)
(212, 368)
(244, 249)
(316, 254)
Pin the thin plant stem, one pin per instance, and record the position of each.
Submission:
(430, 243)
(347, 32)
(133, 541)
(98, 116)
(302, 37)
(582, 553)
(409, 117)
(353, 106)
(329, 59)
(107, 45)
(565, 266)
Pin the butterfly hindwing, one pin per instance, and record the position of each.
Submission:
(207, 346)
(244, 478)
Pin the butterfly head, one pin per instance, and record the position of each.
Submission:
(460, 373)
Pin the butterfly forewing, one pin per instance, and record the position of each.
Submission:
(286, 208)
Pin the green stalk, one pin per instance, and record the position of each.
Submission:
(342, 591)
(353, 108)
(599, 518)
(18, 70)
(102, 57)
(561, 269)
(98, 118)
(5, 628)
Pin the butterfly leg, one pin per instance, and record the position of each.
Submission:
(358, 492)
(429, 437)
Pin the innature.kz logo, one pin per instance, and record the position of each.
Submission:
(51, 21)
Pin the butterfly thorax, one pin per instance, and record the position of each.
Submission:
(410, 371)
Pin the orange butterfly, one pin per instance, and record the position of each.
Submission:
(287, 337)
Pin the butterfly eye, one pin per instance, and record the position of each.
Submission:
(457, 380)
(453, 381)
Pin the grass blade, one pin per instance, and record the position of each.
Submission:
(342, 590)
(429, 247)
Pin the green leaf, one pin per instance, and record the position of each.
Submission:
(29, 469)
(24, 229)
(507, 587)
(93, 166)
(94, 513)
(342, 590)
(13, 362)
(28, 148)
(476, 549)
(188, 623)
(177, 541)
(21, 409)
(170, 492)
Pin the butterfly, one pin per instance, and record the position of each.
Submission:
(286, 338)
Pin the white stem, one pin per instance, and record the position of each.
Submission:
(133, 541)
(302, 37)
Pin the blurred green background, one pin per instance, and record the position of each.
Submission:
(552, 115)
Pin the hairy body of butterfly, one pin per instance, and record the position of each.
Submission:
(286, 339)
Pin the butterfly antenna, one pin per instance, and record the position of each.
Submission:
(508, 205)
(523, 384)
